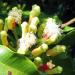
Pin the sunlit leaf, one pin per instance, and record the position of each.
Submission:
(14, 63)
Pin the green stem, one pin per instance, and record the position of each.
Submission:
(15, 35)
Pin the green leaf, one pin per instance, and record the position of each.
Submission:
(68, 28)
(57, 20)
(15, 63)
(68, 39)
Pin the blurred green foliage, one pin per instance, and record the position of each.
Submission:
(63, 8)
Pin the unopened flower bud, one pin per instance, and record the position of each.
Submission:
(35, 21)
(34, 12)
(41, 49)
(4, 38)
(33, 24)
(37, 61)
(24, 27)
(56, 70)
(44, 47)
(56, 50)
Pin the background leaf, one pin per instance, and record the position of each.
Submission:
(68, 39)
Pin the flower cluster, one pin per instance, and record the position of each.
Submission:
(16, 13)
(29, 39)
(26, 42)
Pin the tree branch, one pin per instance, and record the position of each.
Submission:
(68, 23)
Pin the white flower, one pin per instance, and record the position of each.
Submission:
(27, 41)
(51, 28)
(16, 13)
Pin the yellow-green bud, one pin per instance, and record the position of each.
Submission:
(56, 70)
(41, 49)
(33, 24)
(33, 29)
(35, 21)
(34, 12)
(56, 50)
(44, 47)
(37, 61)
(4, 38)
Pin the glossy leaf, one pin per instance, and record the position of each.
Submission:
(68, 28)
(11, 62)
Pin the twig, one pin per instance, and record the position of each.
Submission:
(68, 23)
